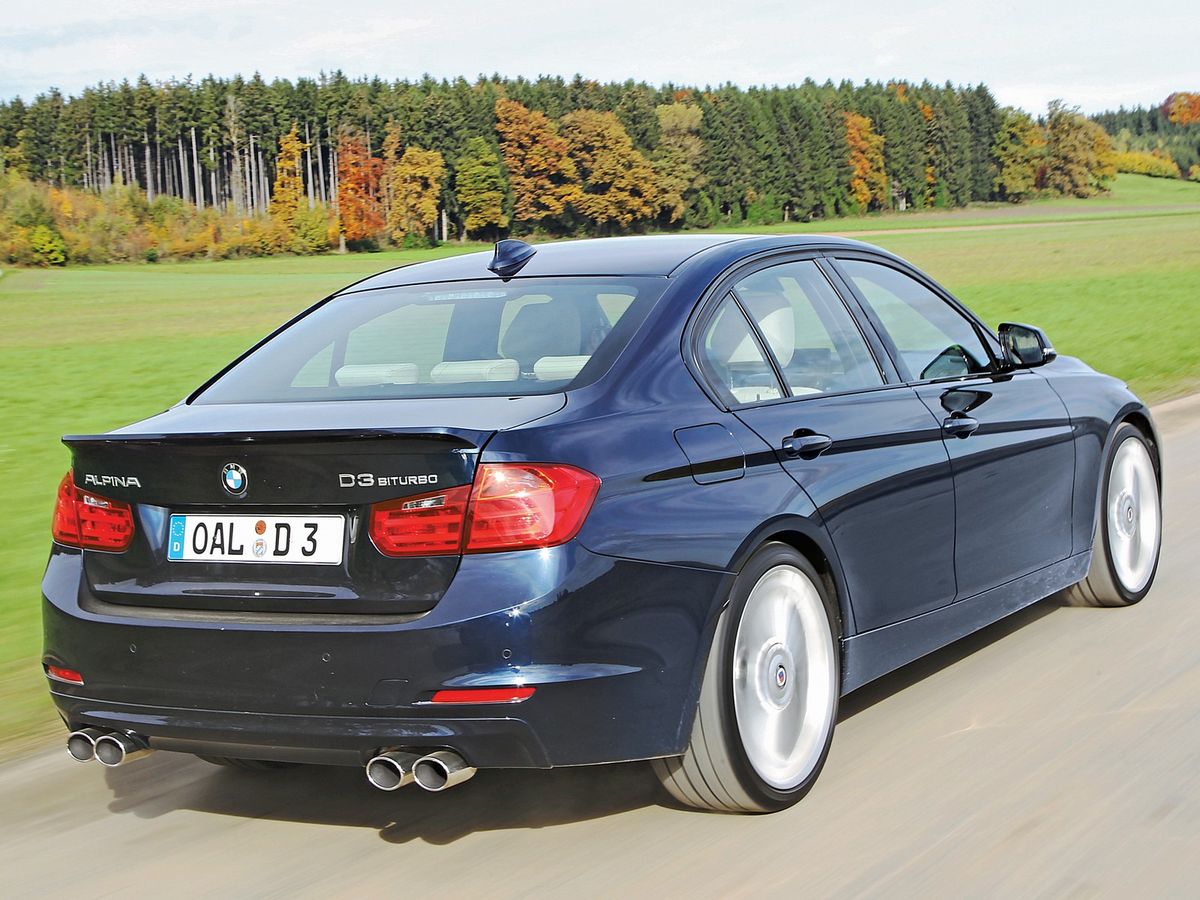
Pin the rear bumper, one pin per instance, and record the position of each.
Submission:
(613, 647)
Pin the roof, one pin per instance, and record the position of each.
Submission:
(640, 255)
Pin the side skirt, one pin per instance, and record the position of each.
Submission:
(871, 654)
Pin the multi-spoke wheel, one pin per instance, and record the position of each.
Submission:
(1128, 527)
(770, 692)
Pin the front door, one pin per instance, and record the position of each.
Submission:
(1007, 433)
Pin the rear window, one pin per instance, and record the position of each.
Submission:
(460, 339)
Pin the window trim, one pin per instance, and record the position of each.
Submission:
(989, 341)
(725, 284)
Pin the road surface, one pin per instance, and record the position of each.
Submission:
(1054, 754)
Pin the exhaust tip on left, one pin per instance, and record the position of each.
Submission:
(116, 749)
(391, 770)
(81, 744)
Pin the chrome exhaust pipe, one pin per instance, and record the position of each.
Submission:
(391, 769)
(81, 744)
(116, 749)
(442, 769)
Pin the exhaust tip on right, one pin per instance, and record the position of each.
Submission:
(441, 770)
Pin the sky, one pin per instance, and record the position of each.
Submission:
(1096, 55)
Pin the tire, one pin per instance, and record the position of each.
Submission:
(249, 765)
(1128, 541)
(759, 683)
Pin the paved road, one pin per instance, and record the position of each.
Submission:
(1055, 754)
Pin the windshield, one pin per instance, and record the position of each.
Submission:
(460, 339)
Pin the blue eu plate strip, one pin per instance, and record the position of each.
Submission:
(175, 541)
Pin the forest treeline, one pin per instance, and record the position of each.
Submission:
(235, 167)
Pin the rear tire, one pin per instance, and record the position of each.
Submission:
(249, 765)
(1128, 541)
(769, 698)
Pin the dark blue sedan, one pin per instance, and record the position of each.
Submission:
(661, 498)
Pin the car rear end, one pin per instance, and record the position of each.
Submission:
(325, 567)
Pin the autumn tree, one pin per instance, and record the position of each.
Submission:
(1183, 108)
(360, 211)
(416, 183)
(289, 183)
(678, 157)
(479, 185)
(1079, 154)
(618, 184)
(1019, 150)
(543, 176)
(868, 181)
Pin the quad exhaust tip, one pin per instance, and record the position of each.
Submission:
(116, 749)
(392, 769)
(441, 770)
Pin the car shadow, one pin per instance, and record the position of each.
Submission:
(494, 800)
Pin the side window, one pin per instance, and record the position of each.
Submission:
(933, 338)
(732, 359)
(810, 331)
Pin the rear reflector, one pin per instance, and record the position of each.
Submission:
(82, 519)
(58, 673)
(426, 525)
(511, 506)
(484, 695)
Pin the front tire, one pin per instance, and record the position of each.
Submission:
(769, 699)
(1128, 540)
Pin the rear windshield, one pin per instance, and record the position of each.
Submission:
(460, 339)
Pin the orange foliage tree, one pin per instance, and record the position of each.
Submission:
(868, 179)
(541, 173)
(619, 186)
(1183, 108)
(360, 212)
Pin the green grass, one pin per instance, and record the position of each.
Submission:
(1114, 280)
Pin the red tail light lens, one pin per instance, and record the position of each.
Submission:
(511, 506)
(426, 525)
(518, 505)
(61, 673)
(83, 519)
(484, 695)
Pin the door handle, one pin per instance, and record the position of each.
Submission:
(807, 445)
(960, 426)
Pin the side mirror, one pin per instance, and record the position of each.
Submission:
(1025, 346)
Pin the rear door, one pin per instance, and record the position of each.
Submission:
(1007, 432)
(784, 352)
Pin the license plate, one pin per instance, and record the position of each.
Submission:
(316, 540)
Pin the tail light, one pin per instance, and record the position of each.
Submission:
(511, 506)
(83, 519)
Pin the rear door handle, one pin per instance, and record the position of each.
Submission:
(807, 445)
(960, 426)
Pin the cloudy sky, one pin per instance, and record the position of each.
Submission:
(1095, 55)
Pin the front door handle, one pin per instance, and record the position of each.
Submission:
(806, 445)
(960, 426)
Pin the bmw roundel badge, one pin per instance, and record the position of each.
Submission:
(235, 479)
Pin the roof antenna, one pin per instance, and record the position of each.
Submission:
(509, 257)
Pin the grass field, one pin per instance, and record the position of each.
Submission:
(1114, 280)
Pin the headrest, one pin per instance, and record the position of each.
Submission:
(558, 368)
(376, 374)
(775, 319)
(467, 370)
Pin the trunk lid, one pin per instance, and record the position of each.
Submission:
(299, 459)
